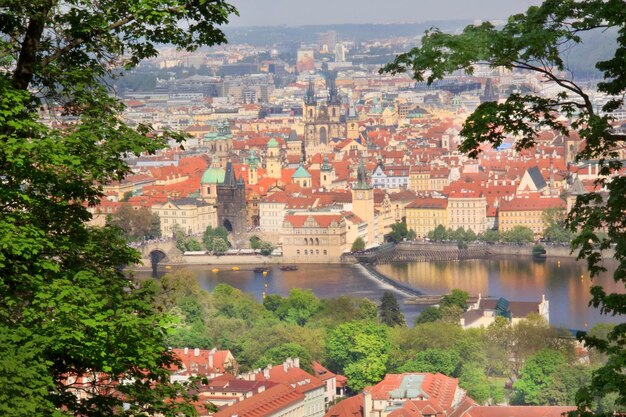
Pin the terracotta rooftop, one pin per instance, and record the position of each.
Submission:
(265, 403)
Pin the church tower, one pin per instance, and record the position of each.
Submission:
(327, 175)
(273, 159)
(352, 123)
(363, 202)
(253, 164)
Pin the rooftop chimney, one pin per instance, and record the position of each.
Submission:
(196, 352)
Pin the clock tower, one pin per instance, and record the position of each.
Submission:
(363, 202)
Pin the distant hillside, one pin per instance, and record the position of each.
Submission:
(269, 35)
(598, 45)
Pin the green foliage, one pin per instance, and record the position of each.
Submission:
(344, 309)
(489, 235)
(472, 378)
(399, 232)
(278, 354)
(256, 243)
(554, 221)
(298, 307)
(186, 243)
(358, 245)
(428, 315)
(518, 234)
(389, 310)
(220, 246)
(539, 41)
(210, 234)
(359, 350)
(445, 361)
(438, 234)
(537, 376)
(456, 298)
(136, 224)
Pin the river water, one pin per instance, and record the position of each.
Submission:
(564, 282)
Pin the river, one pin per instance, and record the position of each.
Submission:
(564, 281)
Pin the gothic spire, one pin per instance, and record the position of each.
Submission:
(309, 97)
(361, 178)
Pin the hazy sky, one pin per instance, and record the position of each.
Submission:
(312, 12)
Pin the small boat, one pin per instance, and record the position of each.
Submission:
(168, 267)
(234, 268)
(288, 268)
(215, 270)
(261, 269)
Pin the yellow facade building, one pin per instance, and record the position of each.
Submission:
(527, 211)
(190, 215)
(425, 214)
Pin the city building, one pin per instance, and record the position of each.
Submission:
(317, 237)
(189, 215)
(527, 211)
(425, 214)
(484, 311)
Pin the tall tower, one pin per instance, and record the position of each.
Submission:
(273, 159)
(334, 102)
(310, 104)
(231, 202)
(363, 202)
(352, 122)
(253, 164)
(327, 175)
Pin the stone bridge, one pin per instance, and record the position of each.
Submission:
(160, 251)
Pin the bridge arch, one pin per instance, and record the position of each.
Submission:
(156, 256)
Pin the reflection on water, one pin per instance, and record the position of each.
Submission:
(564, 282)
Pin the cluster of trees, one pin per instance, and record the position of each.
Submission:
(214, 240)
(400, 232)
(256, 243)
(66, 307)
(136, 225)
(363, 341)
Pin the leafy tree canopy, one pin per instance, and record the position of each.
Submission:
(358, 244)
(389, 310)
(539, 41)
(66, 307)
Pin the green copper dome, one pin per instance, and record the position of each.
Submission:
(301, 172)
(272, 143)
(213, 176)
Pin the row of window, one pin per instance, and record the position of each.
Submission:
(311, 252)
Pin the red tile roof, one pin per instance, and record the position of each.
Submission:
(266, 403)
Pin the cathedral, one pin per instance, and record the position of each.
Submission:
(322, 122)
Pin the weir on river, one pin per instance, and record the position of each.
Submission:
(421, 252)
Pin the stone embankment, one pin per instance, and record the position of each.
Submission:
(426, 252)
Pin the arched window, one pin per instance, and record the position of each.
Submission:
(317, 242)
(310, 113)
(334, 112)
(306, 252)
(306, 241)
